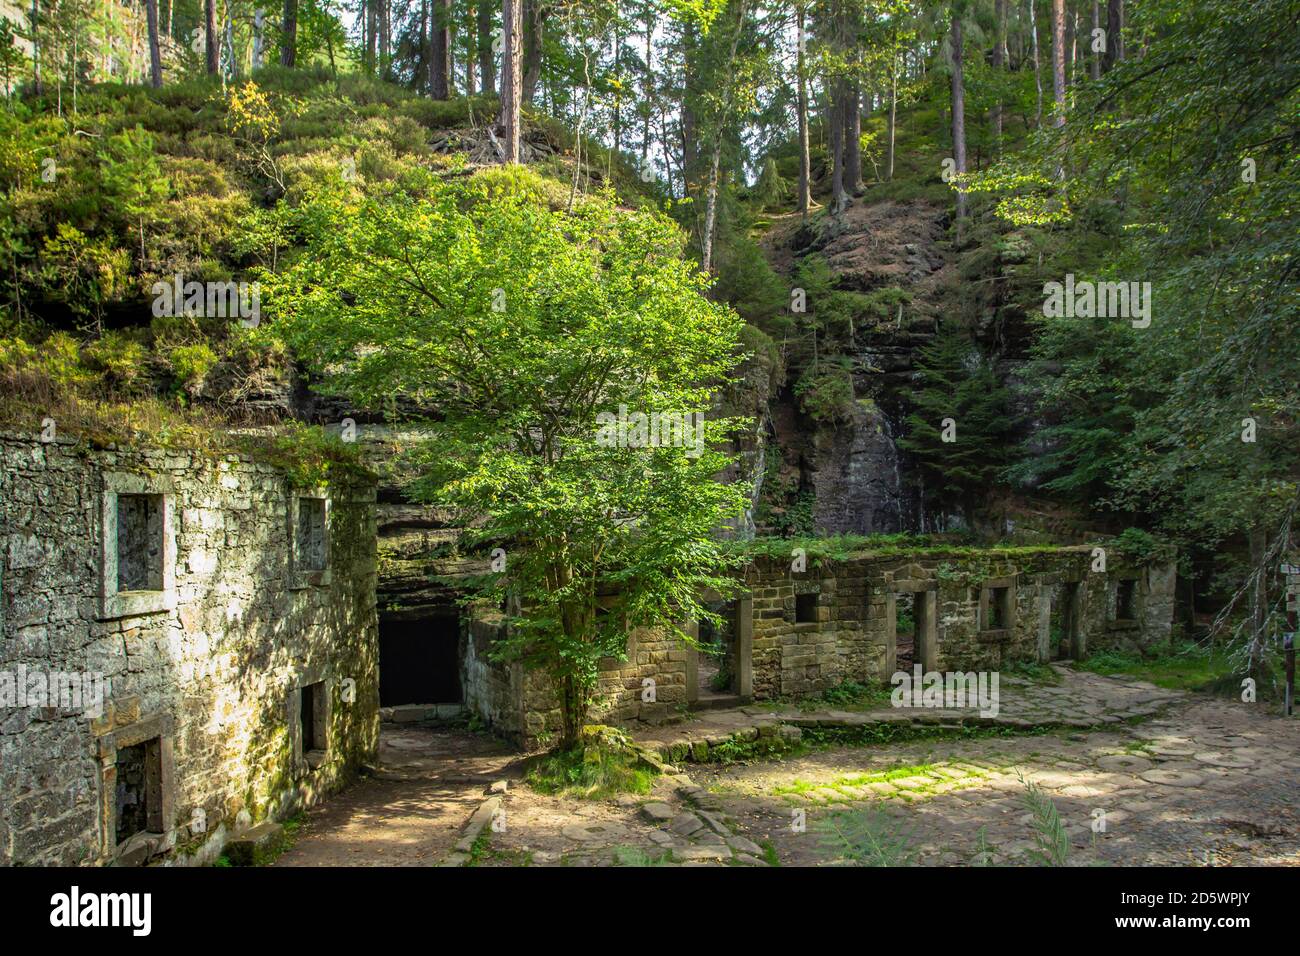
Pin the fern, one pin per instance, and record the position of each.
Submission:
(866, 837)
(1049, 832)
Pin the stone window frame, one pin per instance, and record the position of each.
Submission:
(924, 588)
(112, 602)
(302, 578)
(803, 589)
(1113, 607)
(323, 712)
(153, 842)
(1008, 611)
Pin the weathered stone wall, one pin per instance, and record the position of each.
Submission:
(522, 704)
(848, 629)
(207, 671)
(850, 635)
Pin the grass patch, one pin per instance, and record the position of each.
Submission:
(603, 767)
(635, 856)
(1033, 670)
(1188, 667)
(858, 780)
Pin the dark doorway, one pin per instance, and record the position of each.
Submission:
(419, 661)
(1063, 642)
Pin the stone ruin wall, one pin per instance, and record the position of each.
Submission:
(851, 634)
(853, 638)
(523, 705)
(207, 672)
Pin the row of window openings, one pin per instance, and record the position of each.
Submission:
(999, 608)
(140, 536)
(140, 772)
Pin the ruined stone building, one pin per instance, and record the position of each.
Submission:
(791, 633)
(187, 648)
(192, 644)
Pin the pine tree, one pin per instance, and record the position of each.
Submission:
(961, 429)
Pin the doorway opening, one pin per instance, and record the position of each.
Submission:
(905, 631)
(419, 661)
(718, 671)
(1063, 627)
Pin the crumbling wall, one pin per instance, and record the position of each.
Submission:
(208, 670)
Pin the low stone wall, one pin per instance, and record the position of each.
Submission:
(847, 630)
(252, 591)
(804, 632)
(650, 684)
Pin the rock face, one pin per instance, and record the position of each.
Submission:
(237, 682)
(848, 476)
(857, 480)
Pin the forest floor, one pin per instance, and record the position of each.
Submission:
(1205, 781)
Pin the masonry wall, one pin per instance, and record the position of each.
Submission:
(211, 666)
(522, 704)
(852, 637)
(850, 631)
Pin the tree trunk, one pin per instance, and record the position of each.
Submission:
(1094, 58)
(836, 123)
(804, 200)
(852, 139)
(893, 118)
(37, 85)
(1038, 74)
(711, 208)
(471, 48)
(155, 56)
(648, 93)
(210, 35)
(371, 20)
(440, 49)
(289, 49)
(999, 64)
(1114, 34)
(1257, 540)
(534, 25)
(259, 38)
(1058, 60)
(958, 116)
(486, 62)
(511, 61)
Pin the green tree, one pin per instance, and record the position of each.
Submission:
(132, 177)
(961, 429)
(517, 326)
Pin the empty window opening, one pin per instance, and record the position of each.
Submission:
(139, 789)
(999, 609)
(1126, 600)
(805, 608)
(309, 541)
(419, 661)
(905, 606)
(139, 542)
(312, 715)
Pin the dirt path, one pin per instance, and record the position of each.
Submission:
(1206, 782)
(411, 811)
(1209, 783)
